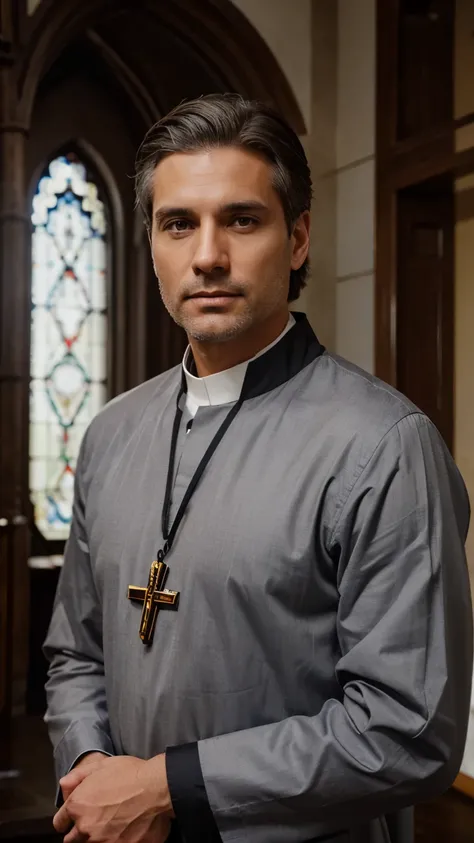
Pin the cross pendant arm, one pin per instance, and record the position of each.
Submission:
(154, 597)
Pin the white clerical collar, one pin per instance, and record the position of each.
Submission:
(223, 387)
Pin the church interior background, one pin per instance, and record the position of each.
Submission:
(382, 95)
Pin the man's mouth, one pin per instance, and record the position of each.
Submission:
(213, 294)
(213, 298)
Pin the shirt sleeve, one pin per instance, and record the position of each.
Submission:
(404, 626)
(76, 715)
(188, 795)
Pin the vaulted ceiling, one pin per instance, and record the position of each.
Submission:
(153, 51)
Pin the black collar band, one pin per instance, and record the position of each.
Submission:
(296, 350)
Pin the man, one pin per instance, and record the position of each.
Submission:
(296, 665)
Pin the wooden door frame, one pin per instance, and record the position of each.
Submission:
(401, 164)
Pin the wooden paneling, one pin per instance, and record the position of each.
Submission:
(448, 819)
(425, 38)
(425, 303)
(465, 784)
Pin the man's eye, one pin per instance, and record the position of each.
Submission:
(177, 225)
(244, 222)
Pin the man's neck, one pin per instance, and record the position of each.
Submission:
(213, 357)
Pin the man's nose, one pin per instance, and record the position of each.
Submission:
(211, 255)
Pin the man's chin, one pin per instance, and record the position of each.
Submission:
(215, 328)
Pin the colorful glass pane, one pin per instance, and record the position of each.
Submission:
(68, 334)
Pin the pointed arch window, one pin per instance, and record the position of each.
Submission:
(69, 329)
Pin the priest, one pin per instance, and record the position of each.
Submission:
(262, 630)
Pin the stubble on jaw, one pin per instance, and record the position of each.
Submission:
(239, 324)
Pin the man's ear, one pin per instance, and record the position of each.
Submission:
(300, 240)
(148, 231)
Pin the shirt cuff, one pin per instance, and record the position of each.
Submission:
(188, 794)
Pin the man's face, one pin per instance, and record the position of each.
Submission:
(220, 243)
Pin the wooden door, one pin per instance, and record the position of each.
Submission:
(425, 301)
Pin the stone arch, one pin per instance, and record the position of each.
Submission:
(215, 30)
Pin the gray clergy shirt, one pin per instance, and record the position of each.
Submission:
(321, 654)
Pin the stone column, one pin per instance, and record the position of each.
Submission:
(14, 389)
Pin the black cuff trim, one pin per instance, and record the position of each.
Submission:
(188, 795)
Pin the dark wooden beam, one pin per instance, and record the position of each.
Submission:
(14, 373)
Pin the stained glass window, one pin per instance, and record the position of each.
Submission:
(68, 333)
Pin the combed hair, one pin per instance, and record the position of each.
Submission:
(219, 120)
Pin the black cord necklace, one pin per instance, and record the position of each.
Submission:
(155, 596)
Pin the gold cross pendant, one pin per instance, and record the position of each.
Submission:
(154, 597)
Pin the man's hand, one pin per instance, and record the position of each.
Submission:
(90, 762)
(124, 798)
